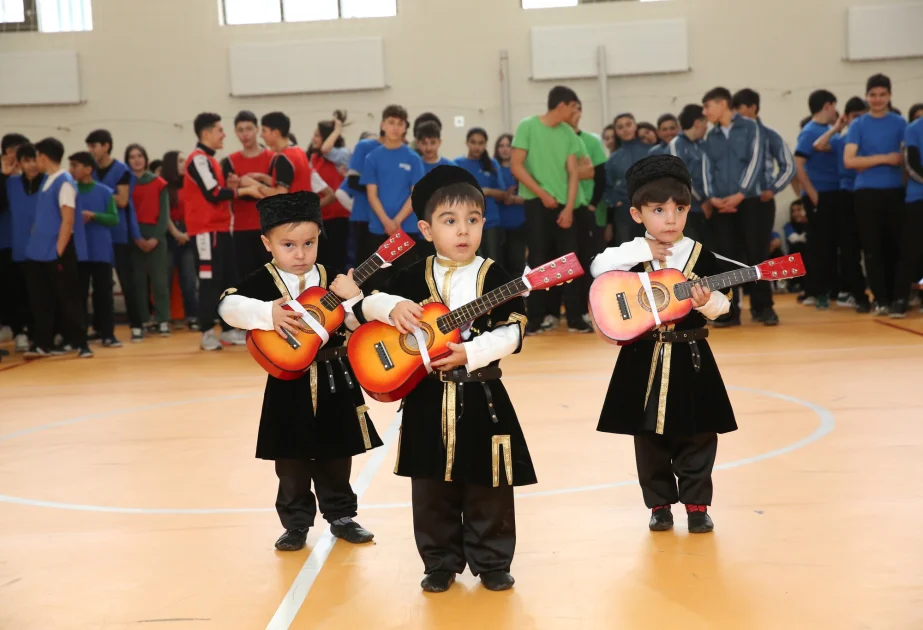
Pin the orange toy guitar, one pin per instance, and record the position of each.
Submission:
(288, 358)
(620, 301)
(389, 364)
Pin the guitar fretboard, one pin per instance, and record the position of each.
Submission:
(472, 310)
(362, 273)
(683, 290)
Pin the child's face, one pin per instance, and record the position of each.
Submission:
(246, 133)
(504, 150)
(293, 246)
(29, 167)
(98, 151)
(714, 110)
(667, 130)
(455, 230)
(394, 128)
(878, 98)
(214, 136)
(81, 172)
(664, 221)
(429, 148)
(270, 137)
(647, 136)
(136, 161)
(317, 141)
(476, 145)
(44, 164)
(626, 128)
(609, 139)
(798, 214)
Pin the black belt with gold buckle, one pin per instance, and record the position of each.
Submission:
(460, 376)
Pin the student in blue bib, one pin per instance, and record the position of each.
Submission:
(55, 246)
(911, 252)
(512, 211)
(490, 178)
(873, 147)
(351, 189)
(96, 210)
(8, 147)
(428, 135)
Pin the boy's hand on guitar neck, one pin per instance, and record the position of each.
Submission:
(660, 250)
(406, 316)
(458, 358)
(345, 287)
(700, 295)
(285, 320)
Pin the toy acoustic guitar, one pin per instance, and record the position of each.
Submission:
(389, 364)
(288, 358)
(620, 301)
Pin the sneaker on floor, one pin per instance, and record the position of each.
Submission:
(22, 343)
(137, 335)
(580, 327)
(292, 540)
(849, 302)
(234, 337)
(93, 337)
(898, 309)
(6, 334)
(112, 342)
(587, 319)
(192, 325)
(863, 308)
(85, 353)
(351, 531)
(550, 322)
(881, 310)
(210, 341)
(823, 303)
(842, 296)
(36, 353)
(531, 330)
(809, 300)
(164, 329)
(769, 317)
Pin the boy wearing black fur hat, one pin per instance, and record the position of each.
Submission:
(311, 426)
(666, 389)
(461, 443)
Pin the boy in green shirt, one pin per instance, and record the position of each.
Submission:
(544, 161)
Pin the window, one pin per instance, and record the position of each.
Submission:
(551, 4)
(46, 16)
(274, 11)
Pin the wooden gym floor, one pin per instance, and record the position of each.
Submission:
(130, 498)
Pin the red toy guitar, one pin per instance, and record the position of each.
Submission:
(288, 358)
(389, 364)
(620, 301)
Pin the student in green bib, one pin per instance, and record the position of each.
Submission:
(544, 161)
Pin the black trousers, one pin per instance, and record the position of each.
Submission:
(124, 269)
(21, 318)
(624, 228)
(455, 524)
(744, 236)
(663, 459)
(851, 276)
(358, 230)
(546, 241)
(249, 252)
(54, 289)
(295, 503)
(585, 223)
(911, 251)
(824, 237)
(7, 306)
(217, 272)
(333, 246)
(514, 251)
(880, 214)
(100, 274)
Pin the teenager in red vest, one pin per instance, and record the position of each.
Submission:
(248, 247)
(329, 159)
(151, 259)
(290, 171)
(207, 196)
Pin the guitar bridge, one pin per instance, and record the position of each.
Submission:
(383, 356)
(294, 343)
(623, 306)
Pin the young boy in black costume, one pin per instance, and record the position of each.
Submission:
(666, 390)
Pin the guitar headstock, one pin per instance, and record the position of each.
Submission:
(395, 247)
(555, 272)
(790, 266)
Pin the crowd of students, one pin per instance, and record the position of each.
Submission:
(551, 188)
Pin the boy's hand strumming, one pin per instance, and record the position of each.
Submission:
(406, 316)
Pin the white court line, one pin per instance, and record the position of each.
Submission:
(291, 603)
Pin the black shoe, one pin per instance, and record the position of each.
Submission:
(580, 327)
(36, 353)
(60, 351)
(112, 342)
(437, 581)
(769, 317)
(863, 308)
(661, 519)
(533, 330)
(699, 520)
(721, 322)
(352, 532)
(292, 540)
(85, 353)
(497, 580)
(898, 309)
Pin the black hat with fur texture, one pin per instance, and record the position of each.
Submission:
(439, 177)
(655, 167)
(297, 207)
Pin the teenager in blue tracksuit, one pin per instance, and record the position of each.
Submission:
(687, 146)
(630, 150)
(741, 223)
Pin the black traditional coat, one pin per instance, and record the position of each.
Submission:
(655, 387)
(447, 432)
(292, 426)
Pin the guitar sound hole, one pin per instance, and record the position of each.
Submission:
(661, 297)
(409, 342)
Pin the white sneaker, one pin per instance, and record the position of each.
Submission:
(6, 333)
(210, 341)
(848, 302)
(809, 301)
(586, 318)
(234, 338)
(550, 322)
(137, 335)
(22, 343)
(164, 329)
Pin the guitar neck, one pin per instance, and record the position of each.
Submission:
(362, 273)
(472, 310)
(683, 291)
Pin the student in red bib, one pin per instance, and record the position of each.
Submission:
(290, 171)
(329, 159)
(253, 158)
(151, 259)
(207, 196)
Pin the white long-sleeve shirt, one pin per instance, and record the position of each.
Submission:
(627, 255)
(484, 349)
(251, 314)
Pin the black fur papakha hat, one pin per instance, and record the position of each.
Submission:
(297, 207)
(656, 167)
(439, 177)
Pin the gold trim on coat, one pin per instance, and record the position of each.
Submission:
(501, 443)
